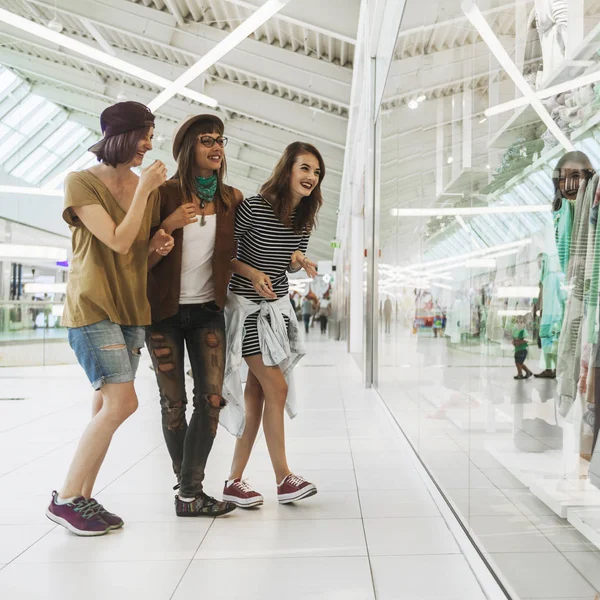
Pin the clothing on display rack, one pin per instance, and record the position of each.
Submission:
(570, 341)
(552, 26)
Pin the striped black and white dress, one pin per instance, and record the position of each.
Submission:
(266, 244)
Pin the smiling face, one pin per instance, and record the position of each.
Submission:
(208, 159)
(143, 146)
(305, 175)
(570, 177)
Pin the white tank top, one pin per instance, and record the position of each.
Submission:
(197, 285)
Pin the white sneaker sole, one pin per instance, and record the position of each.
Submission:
(247, 503)
(306, 492)
(67, 525)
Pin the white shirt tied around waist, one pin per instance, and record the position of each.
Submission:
(278, 347)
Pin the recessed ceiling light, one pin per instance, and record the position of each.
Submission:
(487, 167)
(483, 120)
(450, 160)
(421, 98)
(413, 104)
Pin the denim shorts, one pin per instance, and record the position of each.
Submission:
(108, 353)
(520, 357)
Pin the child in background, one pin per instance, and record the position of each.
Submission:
(520, 343)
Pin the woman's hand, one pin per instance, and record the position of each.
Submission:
(154, 176)
(182, 216)
(308, 265)
(161, 243)
(262, 285)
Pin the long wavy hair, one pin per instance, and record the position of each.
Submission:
(579, 158)
(276, 190)
(186, 162)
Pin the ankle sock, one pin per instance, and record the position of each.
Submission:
(186, 499)
(61, 501)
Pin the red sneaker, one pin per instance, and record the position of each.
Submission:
(241, 494)
(294, 488)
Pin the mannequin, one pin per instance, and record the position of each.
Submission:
(552, 22)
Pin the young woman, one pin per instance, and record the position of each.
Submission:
(187, 293)
(272, 230)
(110, 211)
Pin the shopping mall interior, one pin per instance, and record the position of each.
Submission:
(449, 399)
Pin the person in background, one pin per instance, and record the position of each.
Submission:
(110, 211)
(307, 311)
(323, 313)
(520, 343)
(387, 314)
(187, 292)
(272, 230)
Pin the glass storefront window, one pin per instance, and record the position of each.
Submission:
(488, 279)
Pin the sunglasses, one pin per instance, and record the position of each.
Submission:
(209, 142)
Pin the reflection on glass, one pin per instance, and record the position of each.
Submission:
(489, 318)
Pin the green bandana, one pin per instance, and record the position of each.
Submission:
(206, 188)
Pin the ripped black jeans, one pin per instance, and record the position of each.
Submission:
(202, 328)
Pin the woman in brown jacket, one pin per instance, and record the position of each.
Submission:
(187, 291)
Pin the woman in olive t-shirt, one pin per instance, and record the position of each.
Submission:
(110, 211)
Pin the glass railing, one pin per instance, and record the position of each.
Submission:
(31, 334)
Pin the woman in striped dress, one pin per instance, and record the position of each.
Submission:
(272, 230)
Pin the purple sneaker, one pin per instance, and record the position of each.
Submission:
(113, 520)
(79, 517)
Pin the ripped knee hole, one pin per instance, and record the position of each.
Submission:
(212, 341)
(113, 347)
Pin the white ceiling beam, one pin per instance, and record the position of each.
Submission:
(276, 64)
(226, 45)
(299, 120)
(29, 28)
(98, 36)
(174, 10)
(330, 13)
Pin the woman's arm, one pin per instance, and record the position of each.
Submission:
(120, 238)
(160, 245)
(260, 282)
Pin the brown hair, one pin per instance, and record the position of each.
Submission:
(186, 159)
(276, 190)
(119, 149)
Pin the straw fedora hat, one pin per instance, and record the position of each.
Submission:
(184, 125)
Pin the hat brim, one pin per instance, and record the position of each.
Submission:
(95, 147)
(183, 127)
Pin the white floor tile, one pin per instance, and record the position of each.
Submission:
(388, 504)
(135, 542)
(424, 578)
(542, 575)
(324, 505)
(388, 479)
(91, 580)
(588, 564)
(509, 534)
(275, 578)
(482, 503)
(15, 539)
(285, 539)
(409, 536)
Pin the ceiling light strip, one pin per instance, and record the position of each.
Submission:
(99, 56)
(469, 211)
(238, 35)
(478, 21)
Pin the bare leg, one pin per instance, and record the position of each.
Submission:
(275, 390)
(254, 401)
(87, 489)
(119, 403)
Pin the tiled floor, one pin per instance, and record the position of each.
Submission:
(454, 404)
(373, 531)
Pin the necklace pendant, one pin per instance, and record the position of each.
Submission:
(202, 221)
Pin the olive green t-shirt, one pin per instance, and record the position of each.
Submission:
(104, 284)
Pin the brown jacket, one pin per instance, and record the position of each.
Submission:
(164, 280)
